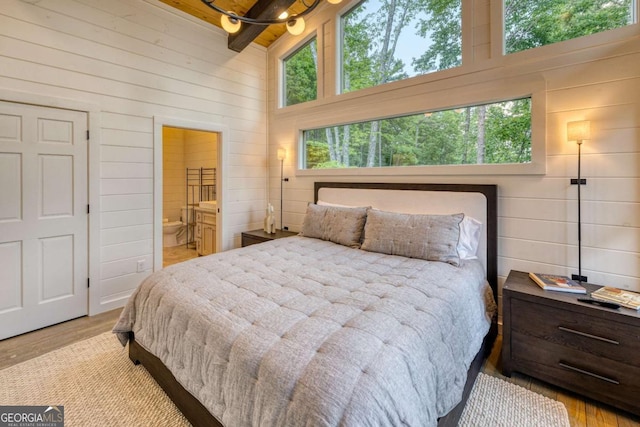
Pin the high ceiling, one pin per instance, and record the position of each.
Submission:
(262, 35)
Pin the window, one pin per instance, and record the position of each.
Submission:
(494, 133)
(301, 74)
(389, 40)
(533, 23)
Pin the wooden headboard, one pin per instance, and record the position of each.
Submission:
(481, 204)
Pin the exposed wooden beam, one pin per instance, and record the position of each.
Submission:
(263, 9)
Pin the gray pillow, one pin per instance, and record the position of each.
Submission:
(429, 237)
(335, 224)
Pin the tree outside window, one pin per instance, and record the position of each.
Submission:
(390, 40)
(301, 74)
(496, 133)
(532, 23)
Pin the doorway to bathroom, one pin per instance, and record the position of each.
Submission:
(190, 177)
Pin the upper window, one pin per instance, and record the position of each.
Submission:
(533, 23)
(301, 74)
(389, 40)
(495, 133)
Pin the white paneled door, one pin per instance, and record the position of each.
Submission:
(43, 217)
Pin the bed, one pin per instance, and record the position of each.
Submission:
(331, 327)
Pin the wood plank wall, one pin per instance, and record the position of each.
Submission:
(594, 78)
(136, 59)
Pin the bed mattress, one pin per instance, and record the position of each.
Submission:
(305, 332)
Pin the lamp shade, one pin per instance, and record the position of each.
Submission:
(295, 26)
(579, 131)
(229, 24)
(282, 153)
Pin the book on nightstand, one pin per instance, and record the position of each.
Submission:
(553, 282)
(624, 298)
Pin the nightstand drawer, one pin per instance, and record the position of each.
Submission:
(606, 380)
(588, 334)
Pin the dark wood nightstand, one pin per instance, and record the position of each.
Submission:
(585, 348)
(258, 236)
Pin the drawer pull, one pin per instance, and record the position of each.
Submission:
(584, 334)
(582, 371)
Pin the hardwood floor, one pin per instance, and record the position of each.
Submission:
(582, 412)
(33, 344)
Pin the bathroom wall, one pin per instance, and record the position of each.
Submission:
(200, 151)
(173, 163)
(184, 148)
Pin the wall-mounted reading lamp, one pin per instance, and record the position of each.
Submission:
(578, 132)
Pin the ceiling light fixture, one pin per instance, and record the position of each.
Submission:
(231, 22)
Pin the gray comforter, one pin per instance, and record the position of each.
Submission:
(304, 332)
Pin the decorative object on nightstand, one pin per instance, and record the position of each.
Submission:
(578, 132)
(553, 282)
(585, 348)
(282, 154)
(269, 220)
(258, 236)
(621, 297)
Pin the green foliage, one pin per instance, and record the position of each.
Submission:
(508, 133)
(371, 33)
(445, 25)
(533, 23)
(447, 137)
(301, 74)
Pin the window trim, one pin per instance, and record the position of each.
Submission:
(459, 98)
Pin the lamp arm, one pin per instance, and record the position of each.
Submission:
(281, 182)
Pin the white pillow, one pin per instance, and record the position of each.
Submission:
(470, 229)
(337, 205)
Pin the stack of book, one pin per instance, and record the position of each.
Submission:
(553, 282)
(624, 298)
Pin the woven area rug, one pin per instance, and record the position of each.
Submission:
(494, 402)
(99, 386)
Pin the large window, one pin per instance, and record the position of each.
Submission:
(495, 133)
(301, 74)
(533, 23)
(389, 40)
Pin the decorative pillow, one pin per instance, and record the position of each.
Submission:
(335, 224)
(429, 237)
(470, 229)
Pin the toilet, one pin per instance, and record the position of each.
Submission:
(174, 233)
